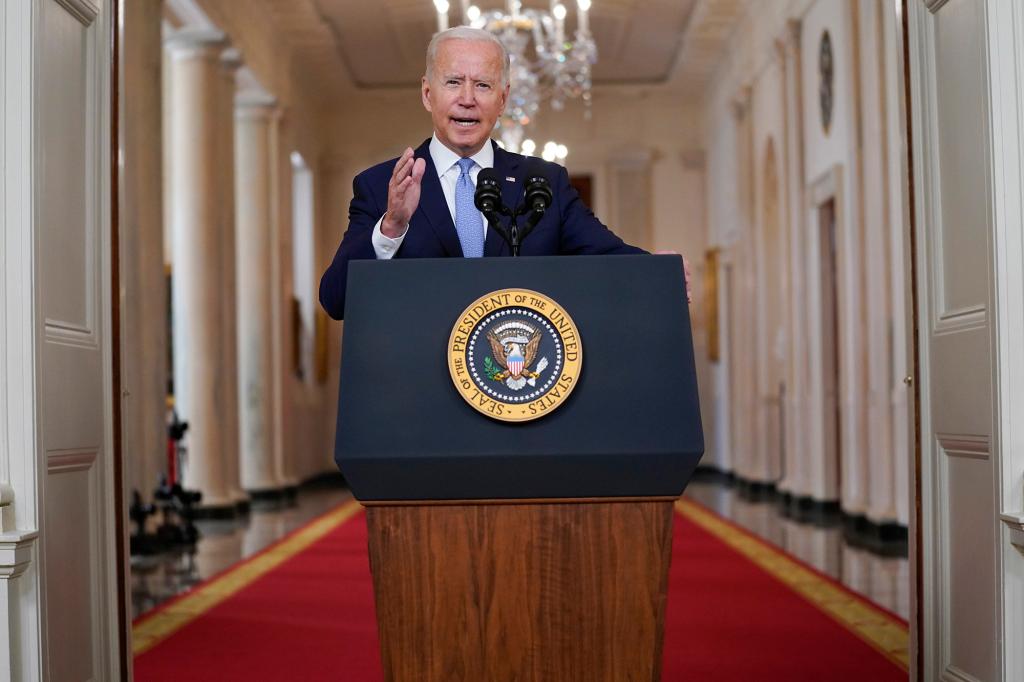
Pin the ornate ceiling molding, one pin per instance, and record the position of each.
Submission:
(196, 42)
(705, 39)
(934, 5)
(85, 11)
(186, 14)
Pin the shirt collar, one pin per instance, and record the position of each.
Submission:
(445, 158)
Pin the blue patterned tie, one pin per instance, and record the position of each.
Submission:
(468, 222)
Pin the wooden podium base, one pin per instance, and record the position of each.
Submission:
(487, 592)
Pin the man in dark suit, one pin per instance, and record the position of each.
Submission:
(420, 204)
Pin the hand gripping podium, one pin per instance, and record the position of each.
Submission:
(518, 550)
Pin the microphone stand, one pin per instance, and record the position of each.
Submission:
(494, 222)
(537, 198)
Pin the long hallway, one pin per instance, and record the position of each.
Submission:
(844, 178)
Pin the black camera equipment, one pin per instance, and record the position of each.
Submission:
(140, 541)
(177, 507)
(176, 504)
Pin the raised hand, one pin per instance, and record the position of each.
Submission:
(403, 194)
(686, 273)
(687, 276)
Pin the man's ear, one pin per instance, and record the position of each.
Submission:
(425, 92)
(504, 98)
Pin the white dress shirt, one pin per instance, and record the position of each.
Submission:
(447, 164)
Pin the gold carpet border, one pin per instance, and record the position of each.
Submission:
(168, 620)
(879, 629)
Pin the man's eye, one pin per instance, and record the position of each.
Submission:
(484, 86)
(451, 81)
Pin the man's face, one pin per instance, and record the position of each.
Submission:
(464, 94)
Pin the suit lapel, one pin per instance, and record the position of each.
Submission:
(506, 166)
(434, 207)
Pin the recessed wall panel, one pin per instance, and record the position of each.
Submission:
(966, 379)
(971, 583)
(632, 203)
(69, 541)
(71, 379)
(66, 227)
(963, 162)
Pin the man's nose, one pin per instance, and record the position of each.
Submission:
(467, 95)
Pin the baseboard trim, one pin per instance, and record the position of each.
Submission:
(756, 491)
(220, 512)
(888, 538)
(712, 473)
(326, 479)
(806, 509)
(269, 499)
(885, 538)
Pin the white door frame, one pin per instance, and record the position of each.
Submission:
(29, 457)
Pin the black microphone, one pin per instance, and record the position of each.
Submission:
(537, 198)
(488, 193)
(538, 194)
(487, 199)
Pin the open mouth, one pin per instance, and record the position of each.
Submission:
(465, 122)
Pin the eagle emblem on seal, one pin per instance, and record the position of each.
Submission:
(514, 346)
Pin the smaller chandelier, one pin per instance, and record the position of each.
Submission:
(544, 65)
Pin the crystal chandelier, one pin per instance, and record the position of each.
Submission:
(544, 65)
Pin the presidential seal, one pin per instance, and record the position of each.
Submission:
(515, 355)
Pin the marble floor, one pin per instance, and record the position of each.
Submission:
(222, 544)
(884, 580)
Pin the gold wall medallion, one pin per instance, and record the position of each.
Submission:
(515, 355)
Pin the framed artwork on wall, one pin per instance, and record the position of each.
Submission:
(711, 303)
(320, 343)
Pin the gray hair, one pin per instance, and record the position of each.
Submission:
(467, 33)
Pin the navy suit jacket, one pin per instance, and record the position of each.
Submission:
(568, 227)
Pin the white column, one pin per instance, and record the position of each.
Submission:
(879, 483)
(747, 453)
(255, 119)
(856, 286)
(197, 283)
(230, 62)
(336, 181)
(797, 417)
(899, 271)
(285, 395)
(143, 284)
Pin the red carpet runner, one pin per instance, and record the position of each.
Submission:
(303, 610)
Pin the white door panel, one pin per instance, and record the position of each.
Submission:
(75, 408)
(72, 588)
(73, 393)
(967, 525)
(951, 151)
(965, 376)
